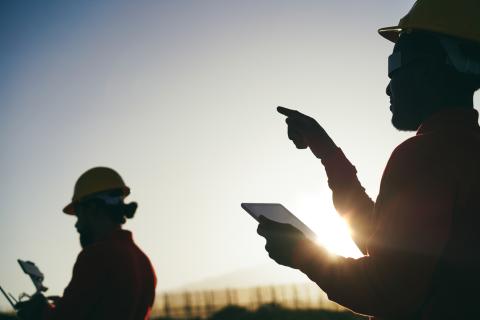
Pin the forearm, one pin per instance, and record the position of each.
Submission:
(365, 285)
(344, 282)
(67, 308)
(349, 197)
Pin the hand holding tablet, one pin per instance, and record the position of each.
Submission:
(277, 213)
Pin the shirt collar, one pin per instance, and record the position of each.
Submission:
(450, 119)
(118, 235)
(122, 235)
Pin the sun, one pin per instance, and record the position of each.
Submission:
(333, 232)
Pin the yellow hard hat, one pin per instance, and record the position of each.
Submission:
(459, 18)
(96, 180)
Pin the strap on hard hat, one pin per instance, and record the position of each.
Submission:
(400, 59)
(457, 59)
(107, 197)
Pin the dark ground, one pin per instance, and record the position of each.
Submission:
(277, 313)
(266, 312)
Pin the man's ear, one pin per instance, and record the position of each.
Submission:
(438, 74)
(96, 209)
(431, 78)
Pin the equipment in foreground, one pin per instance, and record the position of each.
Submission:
(35, 274)
(37, 278)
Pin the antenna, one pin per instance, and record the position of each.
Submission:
(13, 298)
(8, 298)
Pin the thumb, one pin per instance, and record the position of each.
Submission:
(263, 220)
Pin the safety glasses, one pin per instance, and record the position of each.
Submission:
(394, 62)
(398, 60)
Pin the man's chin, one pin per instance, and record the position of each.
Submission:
(405, 123)
(85, 241)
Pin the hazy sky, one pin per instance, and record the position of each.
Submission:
(179, 97)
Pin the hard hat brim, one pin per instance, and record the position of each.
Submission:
(70, 208)
(391, 33)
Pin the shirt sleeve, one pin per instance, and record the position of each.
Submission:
(349, 197)
(409, 239)
(82, 293)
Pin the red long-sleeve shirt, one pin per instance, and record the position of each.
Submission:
(421, 238)
(112, 279)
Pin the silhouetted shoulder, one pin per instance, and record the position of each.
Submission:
(444, 154)
(98, 252)
(413, 150)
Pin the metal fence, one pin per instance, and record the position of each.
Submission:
(202, 304)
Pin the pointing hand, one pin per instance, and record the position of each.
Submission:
(305, 132)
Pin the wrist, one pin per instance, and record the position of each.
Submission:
(303, 253)
(323, 148)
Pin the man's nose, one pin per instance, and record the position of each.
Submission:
(389, 91)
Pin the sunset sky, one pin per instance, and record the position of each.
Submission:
(180, 98)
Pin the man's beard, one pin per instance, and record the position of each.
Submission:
(406, 120)
(86, 239)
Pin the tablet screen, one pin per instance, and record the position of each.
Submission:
(278, 213)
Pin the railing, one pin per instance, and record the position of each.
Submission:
(204, 303)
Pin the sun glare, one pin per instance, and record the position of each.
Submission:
(332, 231)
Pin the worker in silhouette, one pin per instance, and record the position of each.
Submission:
(112, 278)
(421, 237)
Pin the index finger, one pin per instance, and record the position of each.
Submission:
(288, 112)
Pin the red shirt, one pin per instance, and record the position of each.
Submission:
(112, 279)
(421, 238)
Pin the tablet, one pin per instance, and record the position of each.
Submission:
(278, 213)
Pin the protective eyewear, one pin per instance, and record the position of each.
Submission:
(399, 60)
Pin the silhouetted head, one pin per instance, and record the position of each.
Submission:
(100, 214)
(98, 203)
(423, 82)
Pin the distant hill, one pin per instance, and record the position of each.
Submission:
(262, 275)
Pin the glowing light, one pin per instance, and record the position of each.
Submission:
(333, 232)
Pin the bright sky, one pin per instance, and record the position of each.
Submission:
(180, 97)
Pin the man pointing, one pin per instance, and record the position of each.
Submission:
(421, 236)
